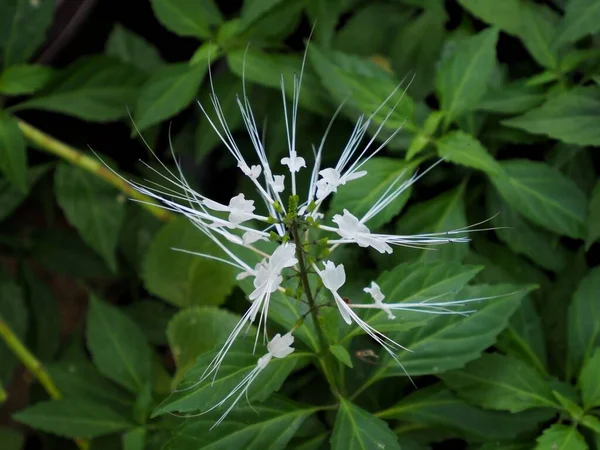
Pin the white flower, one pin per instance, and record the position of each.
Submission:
(375, 292)
(349, 227)
(278, 183)
(333, 277)
(281, 346)
(251, 236)
(240, 209)
(294, 162)
(331, 179)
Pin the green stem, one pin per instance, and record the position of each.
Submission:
(92, 165)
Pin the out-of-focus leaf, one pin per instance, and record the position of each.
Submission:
(181, 278)
(24, 79)
(13, 155)
(13, 312)
(11, 439)
(131, 48)
(560, 436)
(152, 317)
(94, 88)
(324, 17)
(11, 196)
(571, 117)
(93, 207)
(593, 222)
(543, 195)
(511, 99)
(135, 439)
(341, 354)
(462, 148)
(182, 18)
(139, 228)
(582, 17)
(576, 163)
(269, 19)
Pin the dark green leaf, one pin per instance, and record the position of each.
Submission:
(93, 207)
(462, 79)
(268, 425)
(254, 10)
(504, 14)
(168, 90)
(340, 352)
(582, 17)
(512, 99)
(24, 79)
(131, 48)
(94, 88)
(13, 313)
(118, 347)
(135, 439)
(152, 316)
(500, 382)
(181, 278)
(73, 418)
(462, 148)
(561, 437)
(543, 195)
(576, 163)
(139, 228)
(357, 429)
(11, 196)
(269, 19)
(570, 116)
(185, 19)
(593, 222)
(11, 439)
(13, 155)
(23, 27)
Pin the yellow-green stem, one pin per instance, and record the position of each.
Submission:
(92, 165)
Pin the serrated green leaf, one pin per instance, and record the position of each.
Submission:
(582, 17)
(462, 148)
(360, 195)
(240, 360)
(132, 48)
(561, 437)
(94, 88)
(342, 355)
(13, 312)
(24, 79)
(73, 418)
(514, 98)
(119, 349)
(543, 195)
(11, 196)
(181, 278)
(268, 425)
(357, 429)
(436, 406)
(570, 116)
(168, 90)
(593, 222)
(93, 207)
(502, 383)
(13, 154)
(23, 27)
(462, 79)
(185, 19)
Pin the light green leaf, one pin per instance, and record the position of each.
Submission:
(168, 90)
(593, 222)
(73, 418)
(522, 237)
(543, 195)
(500, 382)
(504, 14)
(118, 347)
(437, 407)
(93, 207)
(94, 88)
(462, 79)
(593, 423)
(181, 278)
(570, 116)
(240, 360)
(186, 19)
(23, 27)
(584, 320)
(24, 79)
(357, 429)
(13, 312)
(512, 99)
(359, 196)
(13, 154)
(561, 437)
(582, 17)
(340, 352)
(462, 148)
(268, 425)
(131, 48)
(11, 196)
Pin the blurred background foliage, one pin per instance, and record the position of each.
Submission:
(96, 306)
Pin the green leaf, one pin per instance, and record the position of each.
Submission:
(523, 237)
(570, 116)
(118, 347)
(11, 439)
(23, 27)
(139, 228)
(184, 19)
(593, 222)
(181, 278)
(24, 79)
(13, 154)
(93, 207)
(500, 382)
(197, 330)
(94, 88)
(340, 352)
(357, 429)
(462, 148)
(73, 418)
(13, 313)
(168, 90)
(132, 48)
(360, 195)
(254, 10)
(561, 437)
(584, 320)
(437, 407)
(11, 196)
(462, 79)
(543, 195)
(591, 422)
(269, 19)
(268, 425)
(135, 439)
(512, 99)
(582, 17)
(152, 316)
(576, 163)
(239, 362)
(504, 14)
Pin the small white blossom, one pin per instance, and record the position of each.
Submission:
(240, 209)
(281, 346)
(378, 297)
(278, 183)
(251, 236)
(349, 227)
(331, 179)
(252, 172)
(294, 162)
